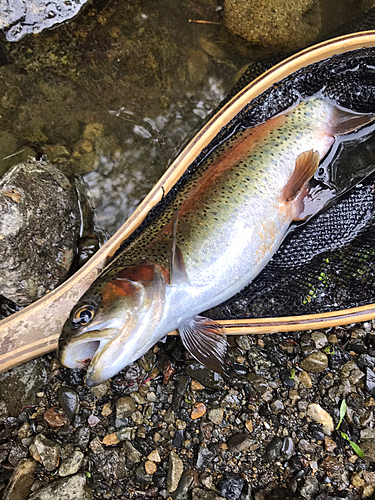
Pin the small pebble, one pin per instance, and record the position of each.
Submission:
(196, 386)
(249, 425)
(216, 415)
(321, 416)
(305, 379)
(150, 467)
(199, 409)
(111, 439)
(72, 464)
(93, 420)
(107, 410)
(329, 444)
(317, 362)
(175, 470)
(54, 417)
(69, 401)
(154, 456)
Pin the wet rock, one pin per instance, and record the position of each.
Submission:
(365, 361)
(72, 488)
(259, 384)
(20, 483)
(216, 415)
(330, 445)
(370, 381)
(111, 464)
(24, 431)
(332, 466)
(178, 439)
(198, 410)
(72, 464)
(368, 448)
(273, 449)
(231, 486)
(19, 386)
(40, 216)
(317, 362)
(18, 19)
(310, 488)
(150, 467)
(45, 451)
(82, 437)
(125, 407)
(179, 392)
(244, 342)
(240, 442)
(286, 379)
(320, 339)
(277, 406)
(205, 376)
(321, 416)
(305, 447)
(142, 477)
(287, 448)
(17, 453)
(69, 401)
(175, 470)
(101, 390)
(316, 432)
(355, 376)
(54, 417)
(368, 434)
(133, 456)
(338, 358)
(189, 480)
(274, 27)
(305, 379)
(199, 494)
(111, 439)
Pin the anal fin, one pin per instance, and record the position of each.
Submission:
(305, 167)
(206, 341)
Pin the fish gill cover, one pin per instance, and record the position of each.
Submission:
(328, 263)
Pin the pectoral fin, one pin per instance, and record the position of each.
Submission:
(206, 341)
(344, 121)
(306, 166)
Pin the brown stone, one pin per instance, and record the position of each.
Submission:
(330, 445)
(150, 467)
(110, 439)
(55, 418)
(199, 409)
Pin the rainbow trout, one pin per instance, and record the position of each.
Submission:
(219, 232)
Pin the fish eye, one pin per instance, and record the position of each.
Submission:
(83, 315)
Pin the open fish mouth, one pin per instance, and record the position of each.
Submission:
(80, 353)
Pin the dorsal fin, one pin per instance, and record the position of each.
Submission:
(177, 272)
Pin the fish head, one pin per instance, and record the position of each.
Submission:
(112, 324)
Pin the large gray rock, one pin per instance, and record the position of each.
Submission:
(39, 228)
(71, 488)
(19, 18)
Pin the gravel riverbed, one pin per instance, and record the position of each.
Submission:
(166, 427)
